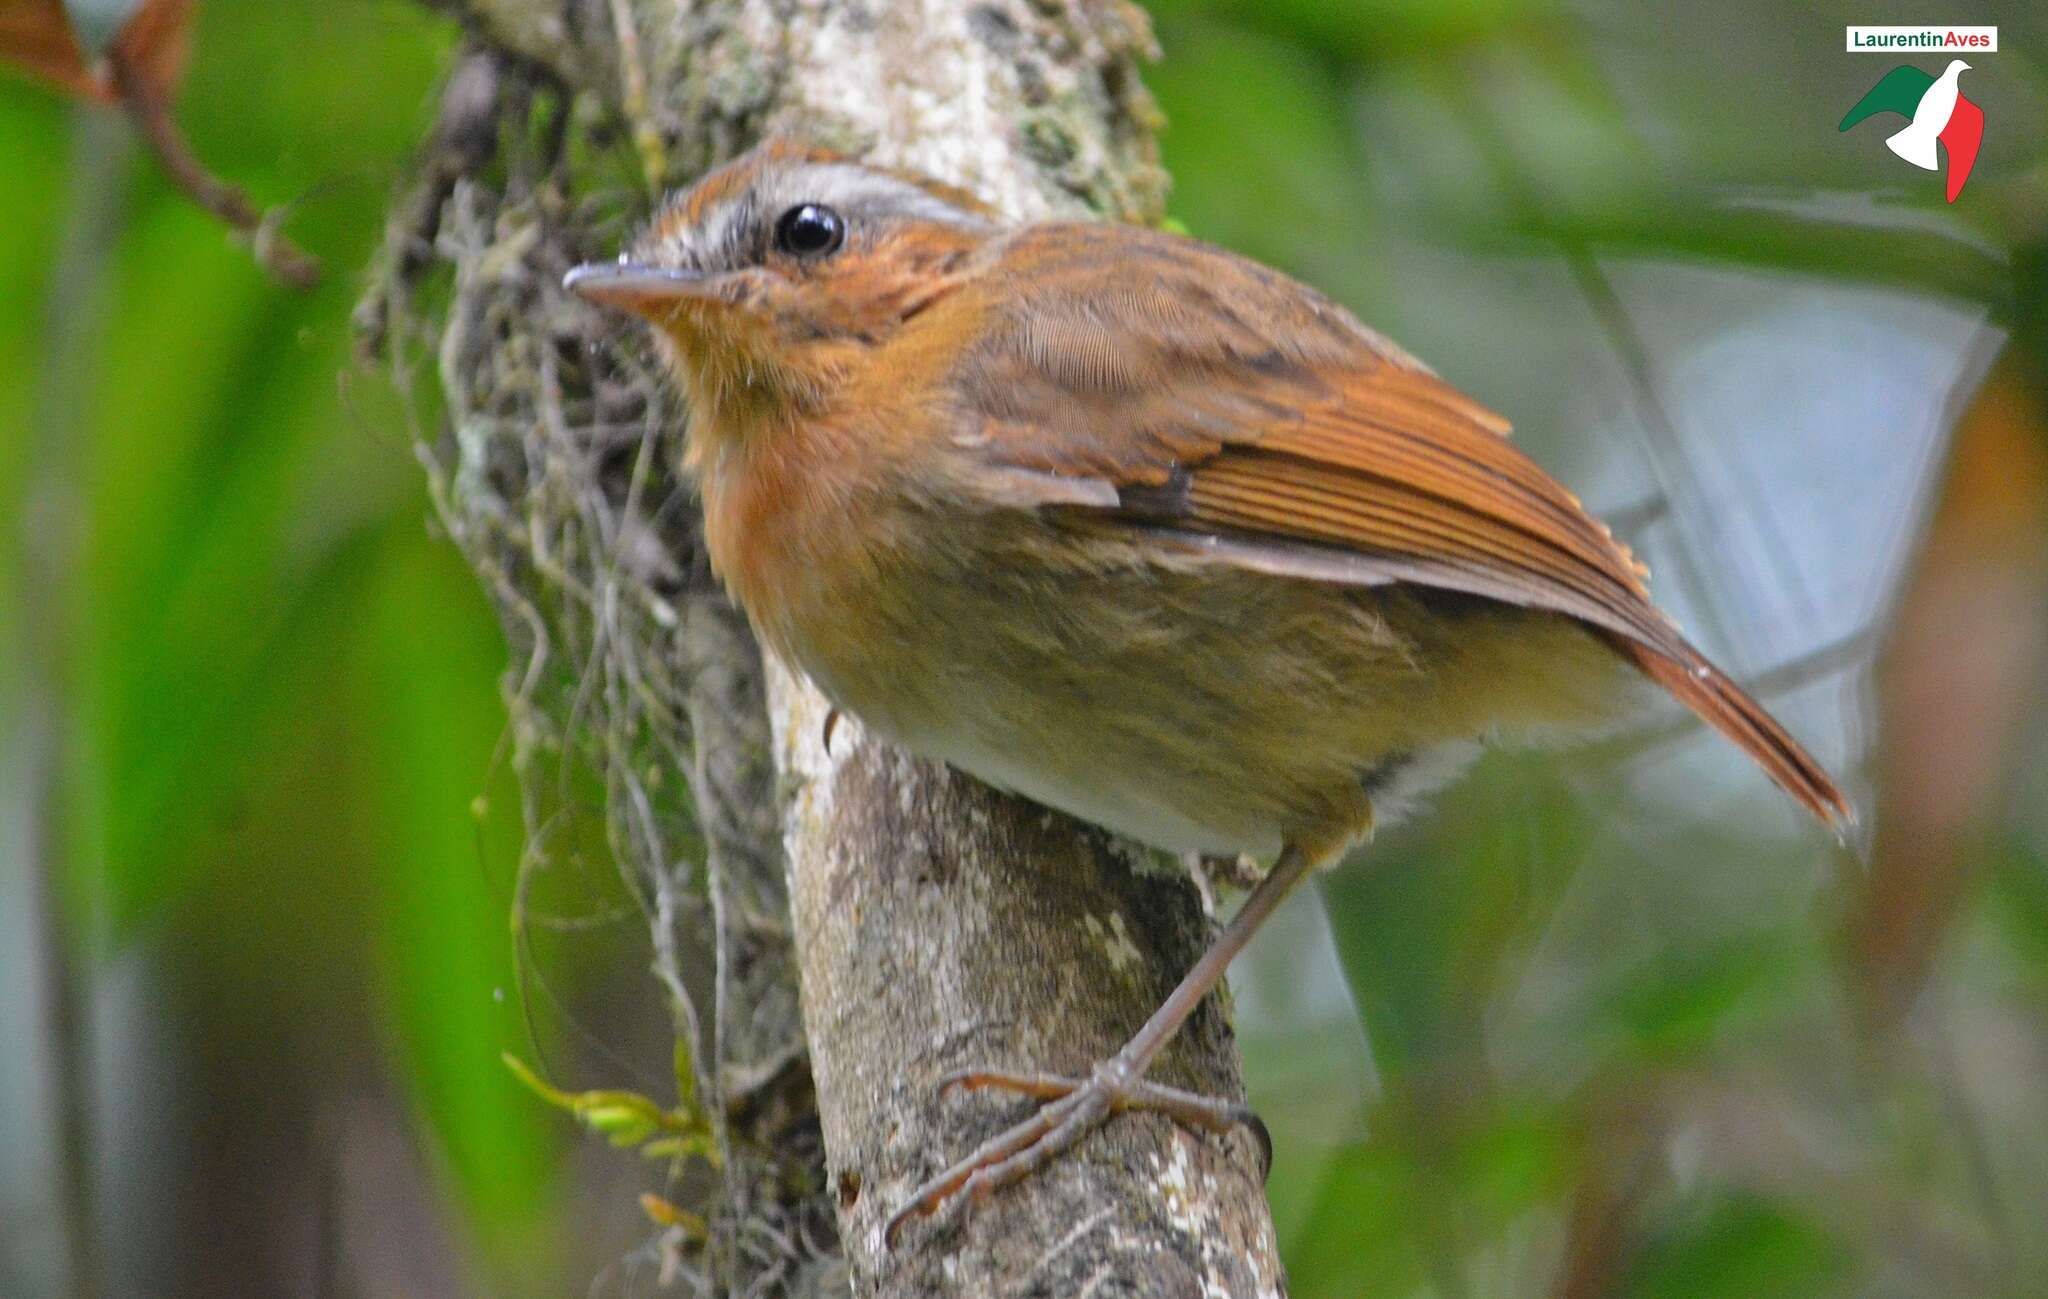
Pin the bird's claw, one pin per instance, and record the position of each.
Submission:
(1073, 1108)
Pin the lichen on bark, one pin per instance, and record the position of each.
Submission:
(936, 923)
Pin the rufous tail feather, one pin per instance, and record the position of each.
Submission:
(1723, 705)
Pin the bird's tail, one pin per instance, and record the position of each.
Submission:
(1718, 701)
(1915, 146)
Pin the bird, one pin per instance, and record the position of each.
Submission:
(1915, 143)
(1134, 527)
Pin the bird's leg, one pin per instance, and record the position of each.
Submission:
(1075, 1106)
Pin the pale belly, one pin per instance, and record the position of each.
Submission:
(1128, 801)
(1189, 705)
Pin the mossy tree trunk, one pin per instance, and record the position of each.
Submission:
(934, 922)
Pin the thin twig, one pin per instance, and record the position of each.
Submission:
(1657, 431)
(152, 116)
(1630, 521)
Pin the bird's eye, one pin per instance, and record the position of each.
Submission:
(810, 230)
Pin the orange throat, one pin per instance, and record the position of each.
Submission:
(781, 515)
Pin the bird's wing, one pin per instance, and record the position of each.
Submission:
(1898, 91)
(1213, 401)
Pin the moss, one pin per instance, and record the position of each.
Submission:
(1048, 142)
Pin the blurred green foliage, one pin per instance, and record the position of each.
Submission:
(1541, 991)
(284, 692)
(285, 729)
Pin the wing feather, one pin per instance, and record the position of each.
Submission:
(1336, 456)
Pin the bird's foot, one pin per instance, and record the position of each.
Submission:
(1073, 1108)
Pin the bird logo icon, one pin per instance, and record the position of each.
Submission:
(1936, 109)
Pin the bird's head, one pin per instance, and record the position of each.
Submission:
(771, 278)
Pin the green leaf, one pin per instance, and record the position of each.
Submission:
(1739, 1246)
(223, 470)
(1360, 1239)
(427, 695)
(627, 1118)
(2019, 901)
(1425, 918)
(1684, 1002)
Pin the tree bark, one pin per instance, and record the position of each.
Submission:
(937, 924)
(942, 925)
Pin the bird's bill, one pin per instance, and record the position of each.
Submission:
(638, 287)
